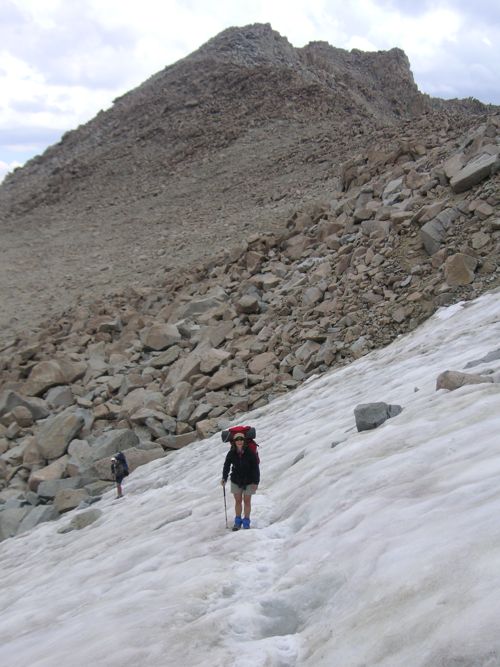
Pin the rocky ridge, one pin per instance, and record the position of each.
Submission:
(226, 142)
(413, 224)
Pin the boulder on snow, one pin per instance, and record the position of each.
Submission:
(371, 415)
(81, 520)
(454, 379)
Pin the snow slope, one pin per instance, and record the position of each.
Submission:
(383, 550)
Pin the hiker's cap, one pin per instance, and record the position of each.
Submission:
(239, 436)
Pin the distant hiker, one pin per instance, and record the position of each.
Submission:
(119, 470)
(245, 477)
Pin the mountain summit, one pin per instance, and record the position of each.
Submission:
(227, 141)
(245, 78)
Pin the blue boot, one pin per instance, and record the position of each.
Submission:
(245, 523)
(237, 523)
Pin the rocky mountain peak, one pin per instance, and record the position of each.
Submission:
(250, 46)
(223, 142)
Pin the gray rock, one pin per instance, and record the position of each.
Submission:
(199, 306)
(23, 416)
(68, 499)
(10, 520)
(50, 488)
(47, 374)
(55, 470)
(200, 412)
(433, 233)
(111, 442)
(184, 368)
(181, 391)
(37, 515)
(54, 437)
(475, 171)
(248, 304)
(96, 489)
(212, 360)
(82, 520)
(161, 336)
(80, 455)
(261, 362)
(60, 397)
(491, 356)
(370, 415)
(14, 456)
(226, 377)
(166, 358)
(37, 406)
(178, 441)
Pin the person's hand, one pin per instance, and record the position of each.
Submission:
(223, 482)
(255, 487)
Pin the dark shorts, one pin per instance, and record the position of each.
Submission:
(249, 490)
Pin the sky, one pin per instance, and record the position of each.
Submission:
(61, 61)
(382, 550)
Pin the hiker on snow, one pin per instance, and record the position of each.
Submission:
(245, 477)
(119, 470)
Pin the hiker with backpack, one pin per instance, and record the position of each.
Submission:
(243, 462)
(119, 470)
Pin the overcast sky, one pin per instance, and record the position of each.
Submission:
(61, 61)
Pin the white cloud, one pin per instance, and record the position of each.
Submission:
(6, 167)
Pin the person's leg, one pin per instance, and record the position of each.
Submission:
(237, 503)
(247, 505)
(119, 492)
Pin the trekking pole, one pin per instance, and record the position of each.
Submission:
(225, 506)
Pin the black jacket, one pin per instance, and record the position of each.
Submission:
(245, 468)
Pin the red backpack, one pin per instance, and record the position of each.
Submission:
(248, 432)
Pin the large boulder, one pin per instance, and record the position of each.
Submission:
(263, 361)
(212, 360)
(178, 441)
(433, 233)
(226, 377)
(181, 391)
(82, 520)
(166, 358)
(454, 379)
(50, 488)
(370, 415)
(10, 520)
(80, 457)
(111, 442)
(197, 306)
(37, 515)
(10, 400)
(55, 470)
(54, 437)
(47, 374)
(68, 499)
(32, 456)
(161, 336)
(481, 167)
(459, 269)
